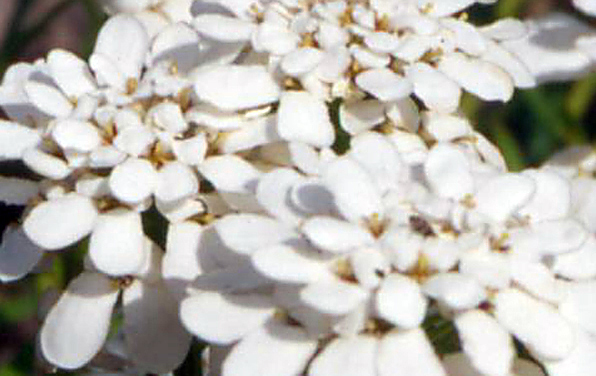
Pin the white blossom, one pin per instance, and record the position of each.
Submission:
(77, 326)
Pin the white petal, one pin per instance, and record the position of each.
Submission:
(224, 318)
(547, 238)
(233, 279)
(330, 36)
(48, 99)
(481, 78)
(254, 132)
(70, 73)
(333, 65)
(191, 150)
(347, 357)
(580, 264)
(581, 361)
(369, 266)
(77, 135)
(182, 210)
(548, 50)
(135, 140)
(485, 342)
(181, 262)
(117, 244)
(301, 61)
(285, 264)
(579, 305)
(177, 43)
(437, 91)
(359, 116)
(60, 222)
(334, 235)
(234, 87)
(107, 73)
(45, 164)
(448, 172)
(442, 253)
(274, 350)
(333, 297)
(106, 156)
(587, 6)
(536, 324)
(444, 127)
(501, 196)
(552, 198)
(505, 28)
(465, 36)
(519, 72)
(408, 353)
(403, 247)
(177, 181)
(18, 255)
(168, 116)
(230, 173)
(304, 118)
(369, 59)
(537, 279)
(355, 194)
(273, 193)
(382, 42)
(400, 301)
(156, 341)
(223, 28)
(14, 191)
(124, 42)
(15, 139)
(133, 181)
(583, 194)
(380, 158)
(455, 290)
(311, 196)
(247, 233)
(384, 84)
(274, 39)
(212, 117)
(77, 326)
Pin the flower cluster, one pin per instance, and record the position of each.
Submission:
(329, 209)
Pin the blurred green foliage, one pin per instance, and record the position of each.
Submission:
(529, 129)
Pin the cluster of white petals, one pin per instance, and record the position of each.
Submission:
(557, 47)
(382, 51)
(345, 269)
(329, 209)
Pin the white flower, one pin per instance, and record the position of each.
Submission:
(338, 248)
(76, 327)
(323, 51)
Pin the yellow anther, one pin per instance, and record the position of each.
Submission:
(131, 85)
(291, 83)
(382, 23)
(174, 68)
(346, 17)
(308, 40)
